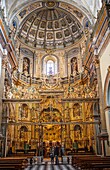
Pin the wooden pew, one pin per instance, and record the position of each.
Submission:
(91, 162)
(13, 163)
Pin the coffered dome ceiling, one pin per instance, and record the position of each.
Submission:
(50, 26)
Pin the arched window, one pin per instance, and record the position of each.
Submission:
(50, 67)
(108, 94)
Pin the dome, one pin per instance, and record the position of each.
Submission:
(50, 27)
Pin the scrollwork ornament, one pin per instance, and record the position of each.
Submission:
(96, 62)
(4, 62)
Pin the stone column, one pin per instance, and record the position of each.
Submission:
(101, 95)
(103, 135)
(3, 62)
(1, 91)
(107, 115)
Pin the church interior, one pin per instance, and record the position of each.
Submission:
(54, 76)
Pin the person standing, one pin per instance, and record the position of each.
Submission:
(62, 151)
(52, 154)
(56, 153)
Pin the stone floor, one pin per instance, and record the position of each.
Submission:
(47, 165)
(50, 167)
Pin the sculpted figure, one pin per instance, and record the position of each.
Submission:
(26, 66)
(74, 66)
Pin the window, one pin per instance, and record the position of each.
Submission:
(108, 94)
(50, 70)
(50, 65)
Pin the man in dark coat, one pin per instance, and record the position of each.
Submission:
(56, 153)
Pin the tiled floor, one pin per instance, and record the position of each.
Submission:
(47, 165)
(50, 167)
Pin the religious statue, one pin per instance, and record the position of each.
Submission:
(24, 111)
(74, 67)
(26, 66)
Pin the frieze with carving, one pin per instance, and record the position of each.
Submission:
(20, 92)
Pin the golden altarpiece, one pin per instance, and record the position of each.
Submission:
(40, 112)
(53, 95)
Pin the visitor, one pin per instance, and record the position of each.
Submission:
(52, 154)
(56, 153)
(62, 151)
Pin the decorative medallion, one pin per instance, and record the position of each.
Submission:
(50, 4)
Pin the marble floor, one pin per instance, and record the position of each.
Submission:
(50, 167)
(47, 165)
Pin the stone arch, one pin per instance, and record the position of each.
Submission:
(107, 89)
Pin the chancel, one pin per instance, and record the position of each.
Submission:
(55, 84)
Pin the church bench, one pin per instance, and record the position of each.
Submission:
(99, 165)
(94, 164)
(17, 163)
(85, 162)
(11, 166)
(76, 157)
